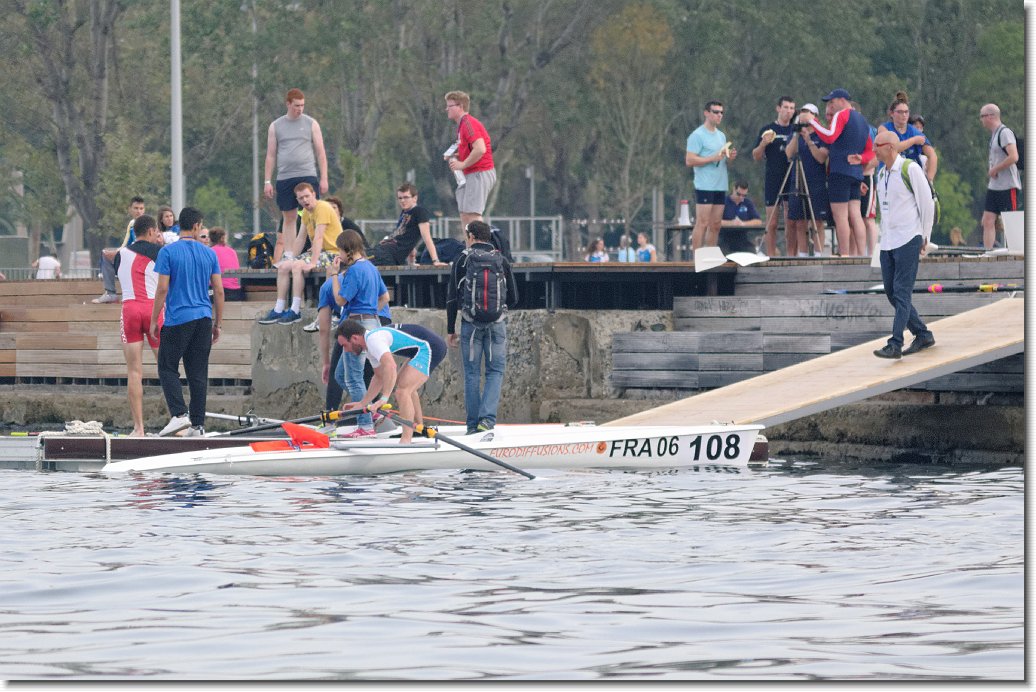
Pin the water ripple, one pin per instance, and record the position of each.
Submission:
(792, 572)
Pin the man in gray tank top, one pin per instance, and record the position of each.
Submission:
(294, 140)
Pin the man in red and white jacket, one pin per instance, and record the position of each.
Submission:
(135, 267)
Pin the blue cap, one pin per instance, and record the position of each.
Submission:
(838, 94)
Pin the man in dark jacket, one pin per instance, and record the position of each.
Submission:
(480, 336)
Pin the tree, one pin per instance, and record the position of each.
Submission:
(630, 54)
(68, 49)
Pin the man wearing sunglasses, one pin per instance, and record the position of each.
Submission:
(707, 154)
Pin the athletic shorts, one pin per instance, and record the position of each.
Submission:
(710, 197)
(869, 202)
(286, 200)
(1001, 200)
(423, 360)
(842, 188)
(472, 195)
(773, 187)
(324, 260)
(799, 210)
(135, 322)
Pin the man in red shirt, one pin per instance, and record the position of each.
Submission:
(474, 157)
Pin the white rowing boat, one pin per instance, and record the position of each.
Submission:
(526, 446)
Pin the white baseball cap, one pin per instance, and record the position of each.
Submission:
(811, 108)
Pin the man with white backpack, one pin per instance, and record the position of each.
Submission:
(481, 289)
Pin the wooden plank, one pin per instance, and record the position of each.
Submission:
(98, 357)
(976, 382)
(844, 340)
(55, 341)
(655, 361)
(986, 334)
(1009, 271)
(731, 361)
(7, 356)
(7, 369)
(726, 342)
(117, 370)
(722, 378)
(64, 287)
(655, 342)
(776, 361)
(796, 343)
(724, 306)
(654, 379)
(716, 324)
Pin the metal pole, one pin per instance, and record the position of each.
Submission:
(256, 190)
(176, 109)
(530, 173)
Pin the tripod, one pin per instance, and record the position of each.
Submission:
(802, 192)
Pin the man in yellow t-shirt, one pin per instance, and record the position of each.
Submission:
(322, 225)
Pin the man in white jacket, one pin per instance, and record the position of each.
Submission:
(907, 215)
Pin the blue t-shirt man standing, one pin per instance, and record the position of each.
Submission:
(186, 270)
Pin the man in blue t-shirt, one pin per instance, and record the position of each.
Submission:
(707, 154)
(186, 270)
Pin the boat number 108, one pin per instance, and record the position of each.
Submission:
(714, 447)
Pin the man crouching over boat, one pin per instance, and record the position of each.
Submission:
(425, 350)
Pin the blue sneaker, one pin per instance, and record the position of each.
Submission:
(272, 317)
(289, 317)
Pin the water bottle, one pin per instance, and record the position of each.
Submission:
(450, 155)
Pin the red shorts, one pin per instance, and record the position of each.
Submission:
(136, 321)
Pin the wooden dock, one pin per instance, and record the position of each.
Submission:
(963, 341)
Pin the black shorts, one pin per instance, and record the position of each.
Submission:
(842, 188)
(286, 200)
(710, 197)
(1001, 200)
(798, 210)
(773, 186)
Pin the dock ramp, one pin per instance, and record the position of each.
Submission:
(962, 341)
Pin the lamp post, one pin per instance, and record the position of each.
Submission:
(530, 173)
(176, 110)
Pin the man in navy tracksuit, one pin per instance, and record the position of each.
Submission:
(850, 148)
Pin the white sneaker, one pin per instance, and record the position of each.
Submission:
(194, 431)
(313, 326)
(175, 425)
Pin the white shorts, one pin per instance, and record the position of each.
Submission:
(472, 195)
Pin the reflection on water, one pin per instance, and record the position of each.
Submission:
(795, 571)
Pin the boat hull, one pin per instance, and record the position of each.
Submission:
(525, 446)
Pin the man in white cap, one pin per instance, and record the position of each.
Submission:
(808, 146)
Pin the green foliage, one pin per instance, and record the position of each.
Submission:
(129, 172)
(215, 202)
(955, 200)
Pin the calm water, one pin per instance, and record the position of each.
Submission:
(791, 572)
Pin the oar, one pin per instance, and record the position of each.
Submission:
(324, 417)
(934, 288)
(432, 433)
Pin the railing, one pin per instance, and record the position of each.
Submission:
(533, 238)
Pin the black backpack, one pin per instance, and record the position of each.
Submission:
(483, 289)
(501, 242)
(448, 250)
(1019, 143)
(260, 252)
